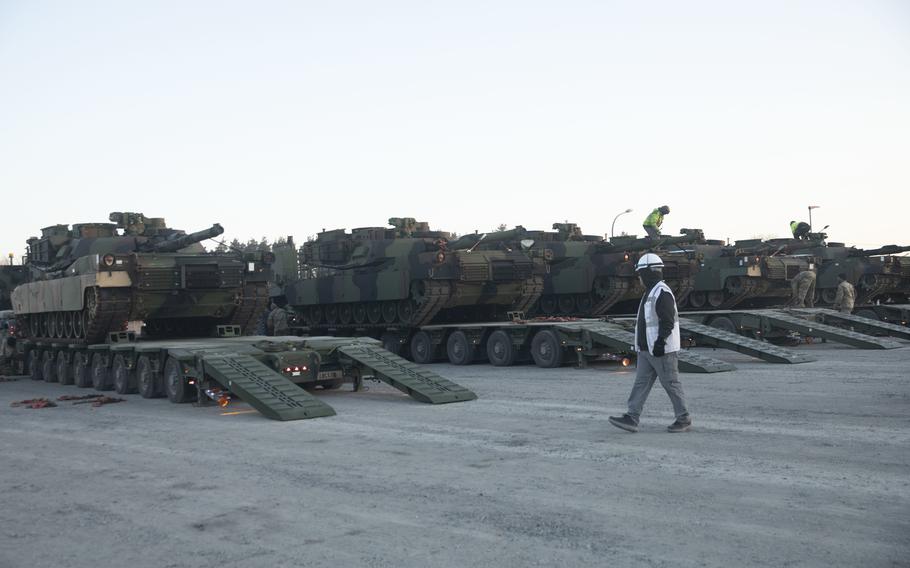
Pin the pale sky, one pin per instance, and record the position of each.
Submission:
(283, 118)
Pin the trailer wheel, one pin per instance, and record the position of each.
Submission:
(64, 369)
(49, 367)
(82, 376)
(422, 349)
(546, 350)
(147, 379)
(101, 375)
(459, 350)
(868, 314)
(724, 323)
(500, 349)
(178, 390)
(123, 377)
(34, 365)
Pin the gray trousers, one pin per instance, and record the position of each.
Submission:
(653, 232)
(665, 368)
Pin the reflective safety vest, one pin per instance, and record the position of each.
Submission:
(652, 325)
(655, 219)
(793, 227)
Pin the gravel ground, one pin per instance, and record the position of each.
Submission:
(804, 465)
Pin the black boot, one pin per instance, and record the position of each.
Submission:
(625, 422)
(681, 425)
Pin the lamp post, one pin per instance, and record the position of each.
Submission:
(811, 207)
(614, 221)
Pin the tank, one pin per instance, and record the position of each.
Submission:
(590, 276)
(879, 275)
(10, 276)
(373, 278)
(88, 280)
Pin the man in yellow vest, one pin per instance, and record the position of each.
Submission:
(655, 220)
(800, 229)
(657, 346)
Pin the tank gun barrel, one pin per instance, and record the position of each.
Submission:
(176, 243)
(882, 251)
(469, 241)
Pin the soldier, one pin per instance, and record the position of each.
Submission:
(803, 287)
(277, 323)
(655, 220)
(657, 346)
(846, 295)
(800, 229)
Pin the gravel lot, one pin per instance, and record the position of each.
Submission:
(804, 465)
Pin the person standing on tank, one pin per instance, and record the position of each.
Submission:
(654, 221)
(657, 344)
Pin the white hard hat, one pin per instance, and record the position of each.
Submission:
(649, 260)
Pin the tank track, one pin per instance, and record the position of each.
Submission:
(751, 287)
(253, 301)
(112, 306)
(437, 293)
(530, 293)
(617, 289)
(881, 284)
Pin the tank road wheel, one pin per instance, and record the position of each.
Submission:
(422, 348)
(359, 313)
(69, 326)
(584, 302)
(64, 369)
(314, 316)
(500, 349)
(124, 381)
(175, 384)
(389, 312)
(82, 375)
(49, 367)
(147, 379)
(566, 304)
(331, 314)
(548, 305)
(78, 325)
(101, 375)
(60, 324)
(697, 300)
(345, 313)
(406, 309)
(724, 323)
(35, 367)
(459, 349)
(374, 312)
(546, 350)
(716, 298)
(43, 325)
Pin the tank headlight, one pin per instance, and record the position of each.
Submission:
(440, 257)
(108, 260)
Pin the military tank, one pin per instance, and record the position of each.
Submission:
(407, 276)
(10, 276)
(878, 274)
(90, 279)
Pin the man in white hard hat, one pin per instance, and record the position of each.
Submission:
(657, 346)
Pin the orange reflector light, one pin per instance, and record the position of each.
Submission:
(626, 361)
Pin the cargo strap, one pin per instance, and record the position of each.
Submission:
(614, 336)
(414, 380)
(792, 321)
(857, 322)
(272, 394)
(708, 335)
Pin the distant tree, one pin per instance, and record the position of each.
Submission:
(236, 244)
(251, 245)
(264, 244)
(222, 247)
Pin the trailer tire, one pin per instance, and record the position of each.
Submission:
(147, 380)
(422, 349)
(101, 375)
(178, 390)
(82, 376)
(49, 367)
(64, 369)
(124, 383)
(546, 350)
(459, 350)
(724, 323)
(500, 349)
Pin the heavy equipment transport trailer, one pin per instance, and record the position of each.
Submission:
(896, 314)
(548, 342)
(269, 373)
(807, 323)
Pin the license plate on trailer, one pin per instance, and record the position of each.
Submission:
(329, 375)
(295, 373)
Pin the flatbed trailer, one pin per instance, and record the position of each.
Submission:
(272, 374)
(897, 314)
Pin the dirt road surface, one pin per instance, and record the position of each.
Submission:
(799, 465)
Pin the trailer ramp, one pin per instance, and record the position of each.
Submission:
(859, 323)
(752, 347)
(792, 321)
(412, 379)
(621, 339)
(270, 393)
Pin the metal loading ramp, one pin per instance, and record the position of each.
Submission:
(726, 340)
(616, 337)
(410, 378)
(857, 322)
(265, 390)
(787, 320)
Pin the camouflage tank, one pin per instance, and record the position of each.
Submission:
(408, 276)
(745, 274)
(878, 274)
(89, 280)
(10, 276)
(587, 275)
